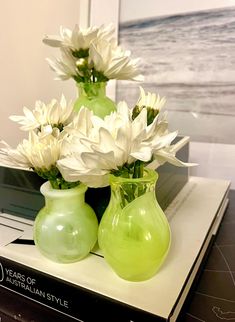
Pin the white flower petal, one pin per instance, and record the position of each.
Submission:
(143, 154)
(150, 100)
(54, 114)
(163, 156)
(112, 61)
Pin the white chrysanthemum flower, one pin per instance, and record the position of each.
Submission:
(13, 157)
(81, 123)
(113, 62)
(91, 55)
(65, 67)
(74, 39)
(79, 38)
(56, 114)
(108, 144)
(39, 152)
(150, 100)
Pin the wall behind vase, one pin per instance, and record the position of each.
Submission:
(24, 74)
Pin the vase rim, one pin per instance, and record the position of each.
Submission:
(47, 190)
(150, 175)
(92, 83)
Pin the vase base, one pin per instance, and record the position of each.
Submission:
(63, 259)
(140, 274)
(138, 278)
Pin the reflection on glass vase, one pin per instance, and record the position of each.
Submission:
(65, 229)
(134, 234)
(93, 96)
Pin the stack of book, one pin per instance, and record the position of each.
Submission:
(89, 290)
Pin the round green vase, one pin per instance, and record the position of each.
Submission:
(134, 234)
(93, 96)
(65, 229)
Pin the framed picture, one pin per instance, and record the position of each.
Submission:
(188, 56)
(187, 50)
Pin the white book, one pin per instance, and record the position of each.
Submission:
(86, 288)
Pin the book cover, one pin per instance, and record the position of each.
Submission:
(73, 301)
(14, 307)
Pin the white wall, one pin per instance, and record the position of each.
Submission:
(25, 75)
(105, 12)
(214, 161)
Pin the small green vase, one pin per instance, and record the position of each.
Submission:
(93, 96)
(65, 229)
(134, 234)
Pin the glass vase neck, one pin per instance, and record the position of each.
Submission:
(92, 89)
(126, 190)
(93, 96)
(56, 197)
(149, 176)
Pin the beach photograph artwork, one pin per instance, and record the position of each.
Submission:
(189, 58)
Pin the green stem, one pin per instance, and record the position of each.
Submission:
(138, 169)
(130, 191)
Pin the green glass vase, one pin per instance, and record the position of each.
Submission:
(134, 234)
(65, 229)
(93, 96)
